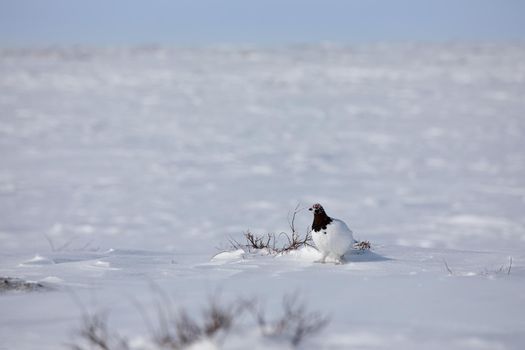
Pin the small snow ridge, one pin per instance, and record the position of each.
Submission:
(52, 279)
(104, 264)
(38, 260)
(229, 256)
(101, 265)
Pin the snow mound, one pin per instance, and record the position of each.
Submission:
(38, 260)
(307, 254)
(52, 279)
(101, 265)
(225, 257)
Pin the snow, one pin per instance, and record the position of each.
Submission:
(125, 171)
(234, 255)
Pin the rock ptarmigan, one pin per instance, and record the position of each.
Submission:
(331, 236)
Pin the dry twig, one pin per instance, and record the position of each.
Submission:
(296, 322)
(270, 241)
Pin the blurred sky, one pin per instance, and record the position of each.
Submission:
(201, 22)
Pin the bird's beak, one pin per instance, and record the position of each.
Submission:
(310, 209)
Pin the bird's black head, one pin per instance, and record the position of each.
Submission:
(317, 209)
(321, 220)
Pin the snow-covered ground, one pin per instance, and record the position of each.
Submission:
(126, 168)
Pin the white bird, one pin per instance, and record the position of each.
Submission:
(331, 236)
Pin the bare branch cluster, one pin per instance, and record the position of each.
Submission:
(179, 330)
(17, 284)
(254, 241)
(503, 269)
(363, 245)
(269, 242)
(66, 246)
(96, 335)
(186, 330)
(275, 244)
(175, 330)
(295, 323)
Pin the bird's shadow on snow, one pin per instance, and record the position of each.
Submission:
(364, 256)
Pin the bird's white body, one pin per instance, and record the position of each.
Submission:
(333, 241)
